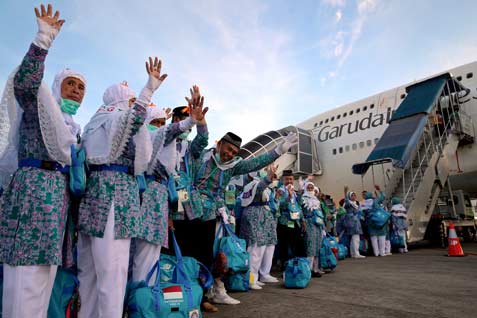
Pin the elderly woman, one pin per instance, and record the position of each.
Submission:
(118, 148)
(315, 226)
(352, 223)
(35, 147)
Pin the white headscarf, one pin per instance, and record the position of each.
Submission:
(310, 201)
(57, 128)
(56, 90)
(165, 155)
(155, 112)
(107, 133)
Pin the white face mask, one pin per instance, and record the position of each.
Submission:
(311, 193)
(274, 184)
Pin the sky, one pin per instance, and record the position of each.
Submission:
(261, 65)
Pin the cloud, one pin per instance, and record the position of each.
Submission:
(335, 3)
(338, 15)
(243, 67)
(343, 42)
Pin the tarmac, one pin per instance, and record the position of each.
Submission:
(422, 283)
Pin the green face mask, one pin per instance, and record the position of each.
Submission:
(184, 135)
(69, 106)
(151, 127)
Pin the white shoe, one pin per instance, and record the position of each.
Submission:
(387, 254)
(225, 300)
(259, 283)
(359, 256)
(255, 287)
(269, 279)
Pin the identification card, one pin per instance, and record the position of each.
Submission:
(291, 224)
(183, 198)
(230, 197)
(294, 215)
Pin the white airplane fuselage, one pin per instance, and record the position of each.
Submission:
(346, 135)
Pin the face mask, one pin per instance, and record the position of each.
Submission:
(311, 193)
(151, 127)
(69, 106)
(274, 184)
(184, 135)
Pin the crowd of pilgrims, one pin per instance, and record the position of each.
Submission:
(145, 178)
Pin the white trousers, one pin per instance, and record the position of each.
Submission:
(267, 261)
(379, 245)
(354, 245)
(314, 263)
(27, 290)
(387, 248)
(103, 272)
(256, 256)
(261, 258)
(145, 256)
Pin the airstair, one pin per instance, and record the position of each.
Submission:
(302, 159)
(422, 137)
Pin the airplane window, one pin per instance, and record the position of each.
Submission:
(357, 111)
(361, 144)
(341, 149)
(332, 118)
(344, 115)
(376, 141)
(371, 106)
(459, 78)
(368, 143)
(326, 121)
(321, 122)
(469, 75)
(347, 148)
(355, 146)
(338, 117)
(365, 108)
(315, 125)
(403, 96)
(334, 151)
(351, 113)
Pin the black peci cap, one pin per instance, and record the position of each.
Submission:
(181, 111)
(287, 173)
(233, 139)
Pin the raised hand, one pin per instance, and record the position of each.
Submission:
(153, 68)
(196, 104)
(168, 113)
(272, 170)
(46, 15)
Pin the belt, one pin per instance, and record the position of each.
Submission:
(43, 164)
(156, 178)
(112, 167)
(258, 204)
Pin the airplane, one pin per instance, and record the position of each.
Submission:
(331, 143)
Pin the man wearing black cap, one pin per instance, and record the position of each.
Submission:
(212, 173)
(290, 223)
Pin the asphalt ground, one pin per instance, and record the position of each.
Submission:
(422, 283)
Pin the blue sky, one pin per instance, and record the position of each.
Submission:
(261, 65)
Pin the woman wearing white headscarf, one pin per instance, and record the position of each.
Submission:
(37, 132)
(352, 223)
(118, 149)
(155, 203)
(315, 225)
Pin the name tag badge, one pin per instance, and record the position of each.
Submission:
(183, 199)
(230, 197)
(291, 224)
(294, 215)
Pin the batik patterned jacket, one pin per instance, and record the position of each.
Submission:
(34, 206)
